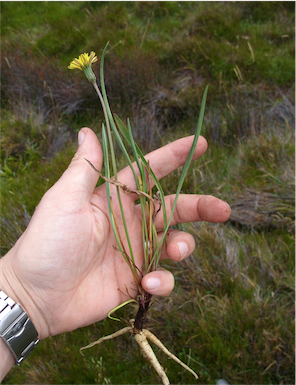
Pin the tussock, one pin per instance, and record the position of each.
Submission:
(261, 209)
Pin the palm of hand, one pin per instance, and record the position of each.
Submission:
(82, 272)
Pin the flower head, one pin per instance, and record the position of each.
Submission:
(84, 63)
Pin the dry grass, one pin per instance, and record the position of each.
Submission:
(260, 209)
(239, 305)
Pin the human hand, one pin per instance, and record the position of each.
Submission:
(64, 269)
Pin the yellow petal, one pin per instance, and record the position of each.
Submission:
(75, 64)
(93, 57)
(84, 60)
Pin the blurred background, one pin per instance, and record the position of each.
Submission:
(231, 314)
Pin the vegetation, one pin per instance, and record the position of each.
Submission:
(232, 310)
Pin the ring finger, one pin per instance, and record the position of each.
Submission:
(178, 245)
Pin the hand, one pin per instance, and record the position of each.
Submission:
(64, 269)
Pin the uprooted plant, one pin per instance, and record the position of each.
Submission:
(152, 204)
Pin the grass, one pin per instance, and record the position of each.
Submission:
(231, 314)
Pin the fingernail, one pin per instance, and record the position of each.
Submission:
(81, 136)
(183, 249)
(153, 283)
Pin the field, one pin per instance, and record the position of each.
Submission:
(231, 315)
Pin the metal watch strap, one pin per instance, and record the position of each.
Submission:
(16, 328)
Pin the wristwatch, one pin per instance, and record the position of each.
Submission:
(16, 329)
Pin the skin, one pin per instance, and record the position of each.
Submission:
(64, 270)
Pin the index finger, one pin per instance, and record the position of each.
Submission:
(166, 159)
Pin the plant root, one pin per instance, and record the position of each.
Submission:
(150, 355)
(158, 343)
(109, 337)
(141, 337)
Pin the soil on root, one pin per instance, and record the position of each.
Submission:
(144, 305)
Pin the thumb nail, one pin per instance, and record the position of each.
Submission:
(183, 249)
(81, 136)
(152, 283)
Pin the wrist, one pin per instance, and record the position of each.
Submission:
(21, 293)
(16, 328)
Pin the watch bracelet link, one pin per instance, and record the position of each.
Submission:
(16, 329)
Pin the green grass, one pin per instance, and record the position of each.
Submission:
(231, 314)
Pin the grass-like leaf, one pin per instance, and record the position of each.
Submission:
(144, 179)
(152, 247)
(185, 168)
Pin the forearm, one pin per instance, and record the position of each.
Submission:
(6, 359)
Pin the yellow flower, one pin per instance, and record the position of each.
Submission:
(84, 63)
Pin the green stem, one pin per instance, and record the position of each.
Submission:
(108, 129)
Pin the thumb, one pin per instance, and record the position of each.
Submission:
(158, 282)
(80, 176)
